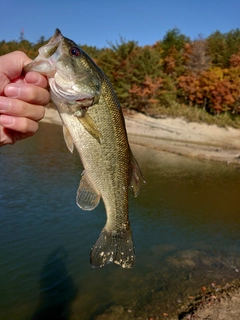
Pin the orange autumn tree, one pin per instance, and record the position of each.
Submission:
(196, 62)
(146, 95)
(235, 60)
(214, 89)
(233, 74)
(190, 92)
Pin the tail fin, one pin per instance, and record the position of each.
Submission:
(113, 246)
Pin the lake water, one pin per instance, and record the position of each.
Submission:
(186, 228)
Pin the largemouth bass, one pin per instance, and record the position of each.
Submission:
(94, 124)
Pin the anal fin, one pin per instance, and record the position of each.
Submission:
(87, 198)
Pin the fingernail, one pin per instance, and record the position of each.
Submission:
(12, 90)
(6, 121)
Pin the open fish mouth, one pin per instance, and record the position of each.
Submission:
(68, 95)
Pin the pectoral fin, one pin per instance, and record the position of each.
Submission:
(136, 177)
(90, 126)
(87, 197)
(68, 139)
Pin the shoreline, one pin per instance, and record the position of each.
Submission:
(175, 135)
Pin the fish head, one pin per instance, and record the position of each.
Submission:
(73, 77)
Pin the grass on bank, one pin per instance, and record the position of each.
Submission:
(194, 114)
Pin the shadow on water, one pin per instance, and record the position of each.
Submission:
(57, 290)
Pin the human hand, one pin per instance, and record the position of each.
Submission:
(22, 98)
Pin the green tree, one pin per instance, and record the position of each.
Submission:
(221, 46)
(173, 48)
(41, 40)
(173, 39)
(115, 62)
(92, 51)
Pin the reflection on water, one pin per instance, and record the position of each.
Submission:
(57, 290)
(186, 228)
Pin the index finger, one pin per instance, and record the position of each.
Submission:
(12, 64)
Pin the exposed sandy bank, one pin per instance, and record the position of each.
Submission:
(178, 136)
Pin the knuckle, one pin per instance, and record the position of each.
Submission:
(40, 113)
(29, 93)
(26, 126)
(36, 95)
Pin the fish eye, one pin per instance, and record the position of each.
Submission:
(75, 52)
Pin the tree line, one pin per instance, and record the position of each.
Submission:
(203, 73)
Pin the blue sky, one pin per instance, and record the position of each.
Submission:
(97, 22)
